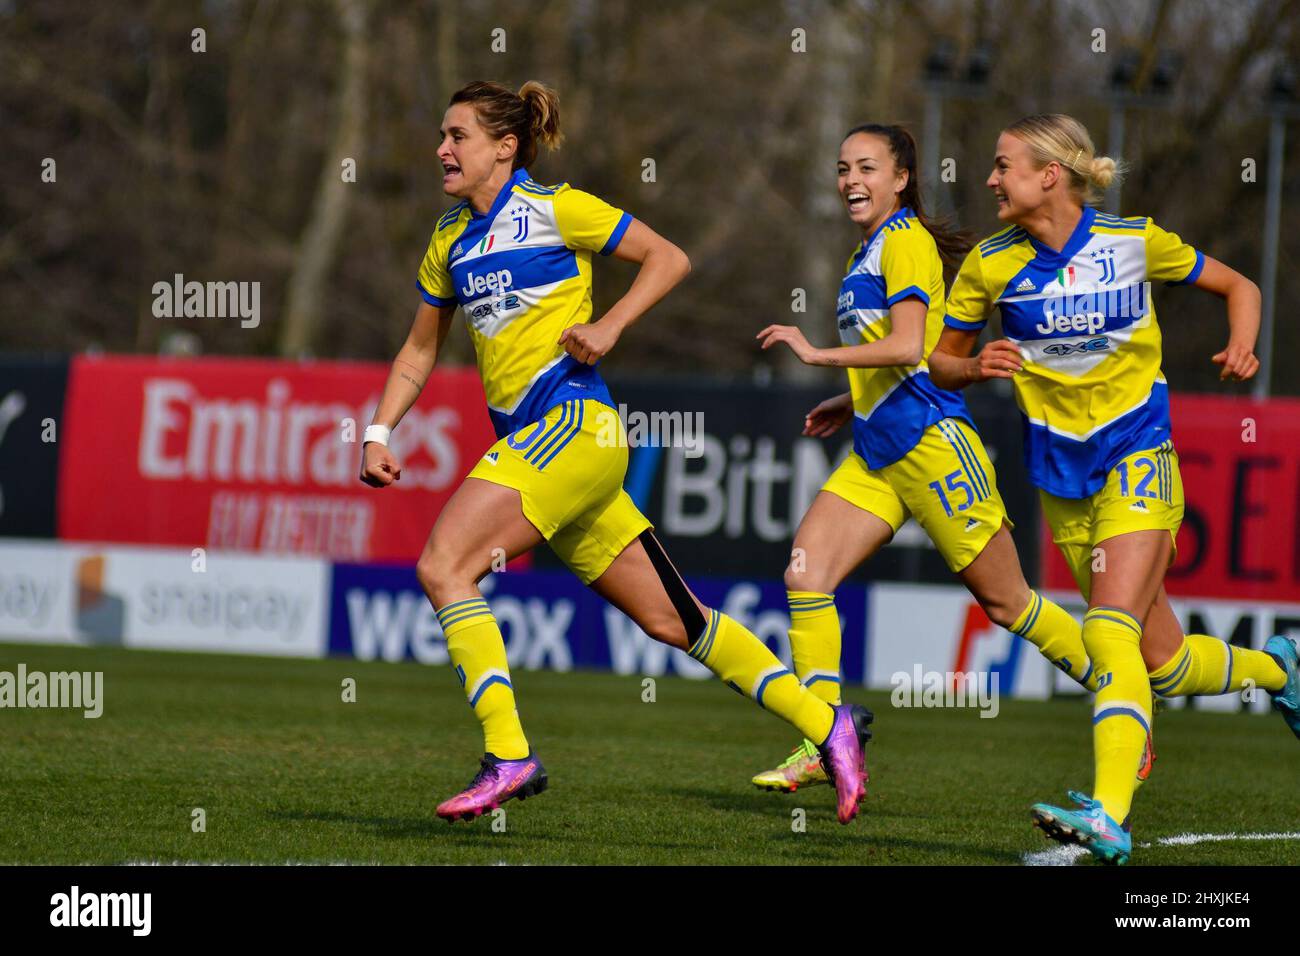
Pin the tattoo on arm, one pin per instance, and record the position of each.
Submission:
(419, 385)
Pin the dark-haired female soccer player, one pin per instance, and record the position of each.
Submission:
(1083, 352)
(516, 256)
(915, 449)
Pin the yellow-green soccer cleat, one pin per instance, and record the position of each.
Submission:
(1148, 761)
(803, 768)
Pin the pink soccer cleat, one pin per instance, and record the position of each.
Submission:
(844, 760)
(496, 782)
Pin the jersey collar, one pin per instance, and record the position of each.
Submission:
(893, 217)
(1050, 256)
(518, 176)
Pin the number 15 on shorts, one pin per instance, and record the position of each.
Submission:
(954, 485)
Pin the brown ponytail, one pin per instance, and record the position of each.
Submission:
(532, 115)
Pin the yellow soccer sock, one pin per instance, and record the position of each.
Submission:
(478, 655)
(1122, 711)
(815, 642)
(1058, 637)
(745, 664)
(1207, 665)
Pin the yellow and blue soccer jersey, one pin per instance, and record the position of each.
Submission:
(892, 407)
(1091, 390)
(522, 274)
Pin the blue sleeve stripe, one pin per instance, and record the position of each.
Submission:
(451, 215)
(1196, 270)
(616, 236)
(911, 290)
(1003, 240)
(434, 299)
(954, 323)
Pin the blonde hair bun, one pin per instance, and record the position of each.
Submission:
(1058, 138)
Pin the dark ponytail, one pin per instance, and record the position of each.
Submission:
(532, 115)
(953, 243)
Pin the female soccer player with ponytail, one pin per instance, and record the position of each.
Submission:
(1082, 349)
(516, 256)
(915, 449)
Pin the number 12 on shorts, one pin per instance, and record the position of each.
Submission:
(954, 483)
(1143, 489)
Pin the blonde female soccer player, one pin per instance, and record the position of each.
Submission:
(915, 449)
(516, 257)
(1082, 349)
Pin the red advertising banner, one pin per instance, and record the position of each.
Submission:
(1240, 538)
(257, 455)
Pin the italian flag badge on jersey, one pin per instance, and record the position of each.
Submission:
(1065, 277)
(486, 244)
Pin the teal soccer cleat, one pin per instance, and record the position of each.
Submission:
(1287, 700)
(1089, 826)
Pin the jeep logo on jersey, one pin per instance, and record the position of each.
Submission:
(1093, 310)
(492, 282)
(1100, 343)
(1090, 322)
(845, 301)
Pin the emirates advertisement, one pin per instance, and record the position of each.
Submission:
(257, 455)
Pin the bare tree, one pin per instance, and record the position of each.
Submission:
(319, 244)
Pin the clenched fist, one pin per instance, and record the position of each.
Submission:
(378, 466)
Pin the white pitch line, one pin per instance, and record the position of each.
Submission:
(1187, 839)
(1067, 855)
(1056, 856)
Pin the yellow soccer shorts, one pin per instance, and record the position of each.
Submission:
(568, 469)
(1143, 492)
(946, 483)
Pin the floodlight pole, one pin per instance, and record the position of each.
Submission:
(1268, 270)
(944, 79)
(930, 145)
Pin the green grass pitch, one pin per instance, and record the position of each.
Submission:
(287, 772)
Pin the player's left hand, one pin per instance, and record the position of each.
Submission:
(589, 342)
(793, 337)
(1238, 361)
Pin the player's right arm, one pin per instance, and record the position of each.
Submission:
(411, 369)
(414, 362)
(952, 366)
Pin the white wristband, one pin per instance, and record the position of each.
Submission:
(376, 433)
